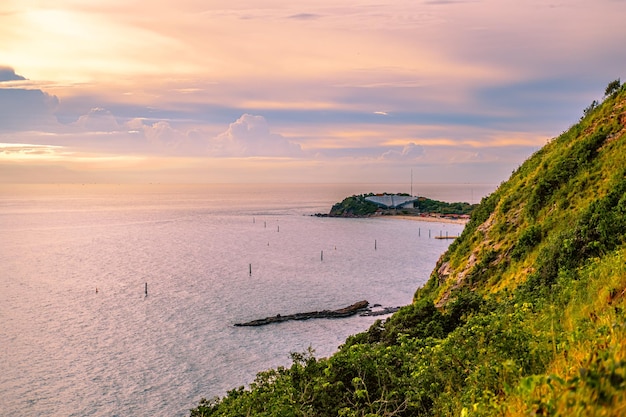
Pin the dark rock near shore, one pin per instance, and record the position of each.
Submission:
(381, 312)
(324, 314)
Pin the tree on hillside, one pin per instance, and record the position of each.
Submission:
(612, 87)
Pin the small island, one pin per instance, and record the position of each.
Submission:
(387, 204)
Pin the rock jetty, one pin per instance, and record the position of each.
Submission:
(324, 314)
(381, 312)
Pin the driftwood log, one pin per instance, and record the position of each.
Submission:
(324, 314)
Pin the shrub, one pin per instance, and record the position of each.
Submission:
(528, 239)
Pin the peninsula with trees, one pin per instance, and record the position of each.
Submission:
(402, 204)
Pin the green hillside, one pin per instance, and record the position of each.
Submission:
(523, 315)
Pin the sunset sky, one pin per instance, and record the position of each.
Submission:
(299, 91)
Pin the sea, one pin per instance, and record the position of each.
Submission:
(121, 300)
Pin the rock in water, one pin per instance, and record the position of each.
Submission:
(324, 314)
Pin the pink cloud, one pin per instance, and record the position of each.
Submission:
(99, 120)
(251, 136)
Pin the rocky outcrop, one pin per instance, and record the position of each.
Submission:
(324, 314)
(383, 311)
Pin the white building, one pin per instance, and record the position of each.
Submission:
(392, 201)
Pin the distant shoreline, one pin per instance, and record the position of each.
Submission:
(430, 219)
(416, 217)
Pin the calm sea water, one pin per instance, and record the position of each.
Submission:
(67, 350)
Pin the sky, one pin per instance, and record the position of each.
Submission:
(213, 91)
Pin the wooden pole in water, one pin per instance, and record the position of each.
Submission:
(146, 289)
(429, 233)
(278, 228)
(250, 269)
(322, 256)
(375, 246)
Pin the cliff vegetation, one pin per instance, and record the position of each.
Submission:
(523, 315)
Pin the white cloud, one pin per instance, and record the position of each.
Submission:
(98, 120)
(163, 138)
(410, 151)
(251, 136)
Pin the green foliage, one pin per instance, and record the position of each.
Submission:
(355, 205)
(527, 319)
(598, 230)
(528, 239)
(564, 167)
(587, 111)
(612, 88)
(595, 390)
(420, 319)
(426, 205)
(484, 210)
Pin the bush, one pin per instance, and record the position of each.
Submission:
(420, 319)
(528, 239)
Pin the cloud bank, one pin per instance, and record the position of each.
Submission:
(22, 108)
(315, 91)
(8, 74)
